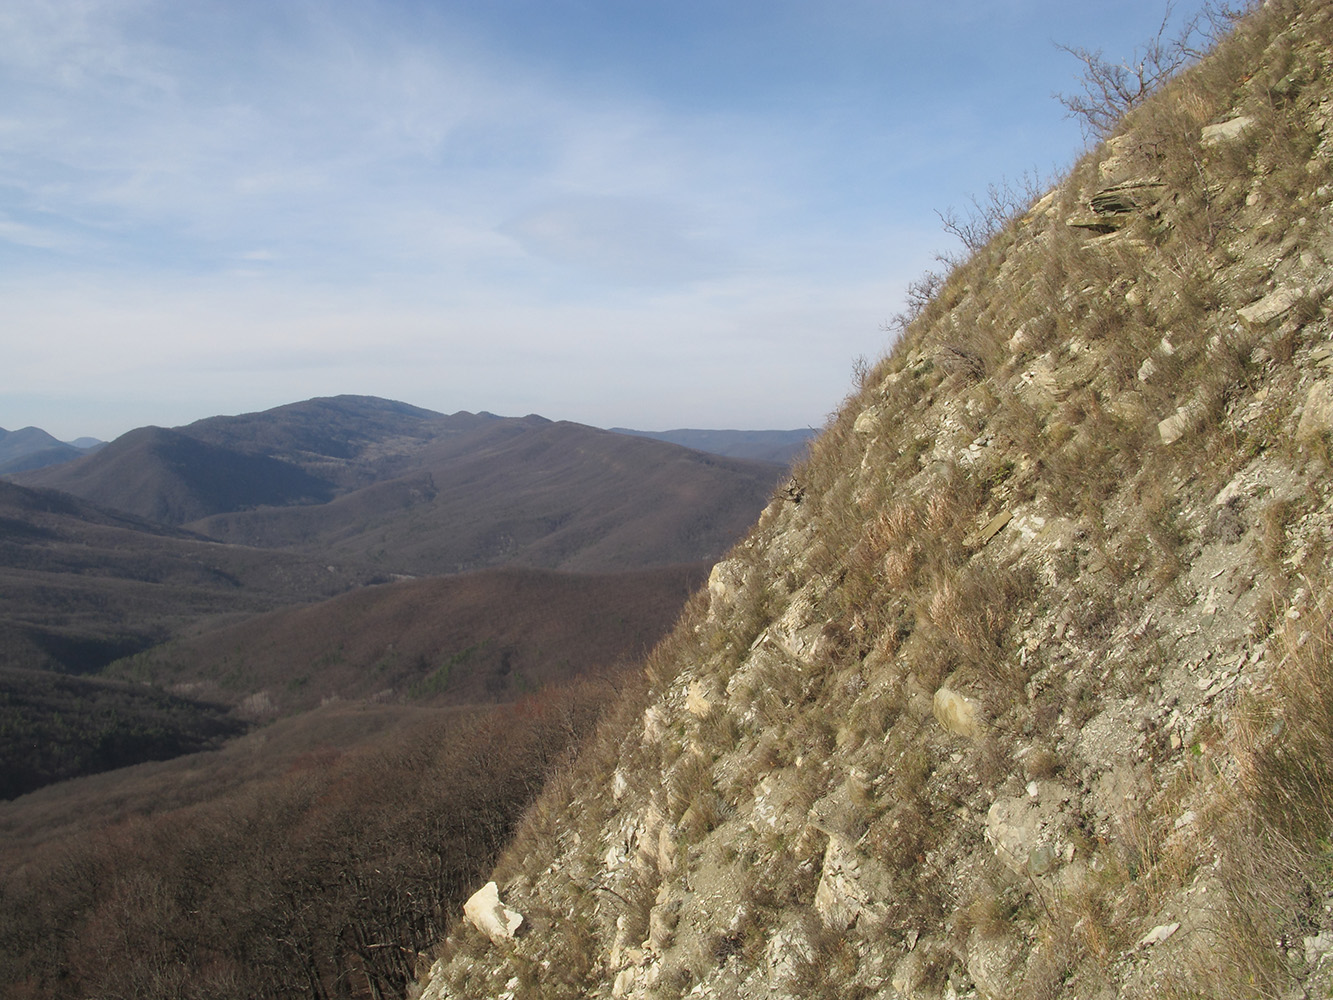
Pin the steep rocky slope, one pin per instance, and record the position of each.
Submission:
(1023, 688)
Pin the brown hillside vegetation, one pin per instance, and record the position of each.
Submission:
(479, 637)
(529, 492)
(1023, 688)
(54, 727)
(81, 585)
(86, 805)
(312, 859)
(410, 491)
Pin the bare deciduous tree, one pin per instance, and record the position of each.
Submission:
(1109, 88)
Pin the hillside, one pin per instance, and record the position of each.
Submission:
(411, 491)
(81, 585)
(1023, 687)
(489, 636)
(33, 448)
(171, 477)
(54, 727)
(527, 492)
(323, 849)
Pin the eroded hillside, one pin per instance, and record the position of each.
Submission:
(1022, 687)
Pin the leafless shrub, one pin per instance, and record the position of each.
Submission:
(984, 218)
(920, 293)
(1110, 89)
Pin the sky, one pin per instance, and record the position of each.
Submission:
(640, 213)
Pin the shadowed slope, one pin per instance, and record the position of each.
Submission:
(528, 492)
(54, 727)
(81, 586)
(32, 448)
(477, 637)
(171, 477)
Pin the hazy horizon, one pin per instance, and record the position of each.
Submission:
(654, 216)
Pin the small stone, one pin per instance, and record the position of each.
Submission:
(957, 713)
(1228, 131)
(867, 422)
(994, 525)
(1158, 934)
(1272, 306)
(1174, 427)
(1318, 947)
(1317, 418)
(1041, 859)
(696, 701)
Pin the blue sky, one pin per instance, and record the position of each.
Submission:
(636, 213)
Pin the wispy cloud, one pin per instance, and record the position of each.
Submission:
(637, 240)
(489, 205)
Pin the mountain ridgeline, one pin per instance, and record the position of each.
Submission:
(33, 448)
(117, 551)
(416, 492)
(1023, 687)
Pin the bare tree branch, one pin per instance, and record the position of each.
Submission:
(1109, 89)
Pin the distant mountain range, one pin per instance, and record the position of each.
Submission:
(324, 428)
(411, 491)
(106, 555)
(33, 448)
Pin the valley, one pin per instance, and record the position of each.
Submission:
(210, 634)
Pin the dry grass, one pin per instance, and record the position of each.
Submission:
(1271, 829)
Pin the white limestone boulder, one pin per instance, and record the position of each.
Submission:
(490, 916)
